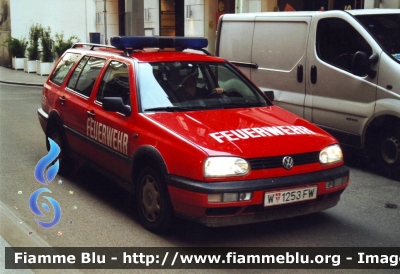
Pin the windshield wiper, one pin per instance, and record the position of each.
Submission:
(170, 108)
(243, 105)
(205, 107)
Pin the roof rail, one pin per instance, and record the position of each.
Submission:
(91, 45)
(140, 42)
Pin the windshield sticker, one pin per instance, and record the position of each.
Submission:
(258, 132)
(397, 56)
(108, 136)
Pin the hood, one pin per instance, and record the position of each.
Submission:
(246, 132)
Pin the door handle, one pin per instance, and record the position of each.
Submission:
(300, 73)
(91, 113)
(62, 99)
(313, 74)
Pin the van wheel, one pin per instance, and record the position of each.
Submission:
(153, 202)
(389, 153)
(56, 135)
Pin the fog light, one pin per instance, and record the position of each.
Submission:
(336, 182)
(214, 198)
(230, 197)
(244, 196)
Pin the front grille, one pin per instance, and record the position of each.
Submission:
(274, 162)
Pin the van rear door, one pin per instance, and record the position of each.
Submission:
(279, 50)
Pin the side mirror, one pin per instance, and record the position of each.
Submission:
(361, 64)
(358, 66)
(373, 59)
(116, 104)
(270, 95)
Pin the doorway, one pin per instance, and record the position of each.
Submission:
(172, 22)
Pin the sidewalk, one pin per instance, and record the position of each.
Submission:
(10, 76)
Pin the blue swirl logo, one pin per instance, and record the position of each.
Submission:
(45, 172)
(45, 162)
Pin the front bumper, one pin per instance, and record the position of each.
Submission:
(190, 198)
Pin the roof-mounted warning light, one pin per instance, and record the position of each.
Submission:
(140, 42)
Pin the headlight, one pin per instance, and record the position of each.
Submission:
(330, 155)
(225, 167)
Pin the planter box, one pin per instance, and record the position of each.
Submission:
(18, 63)
(44, 68)
(29, 65)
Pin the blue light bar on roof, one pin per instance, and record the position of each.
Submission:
(135, 42)
(140, 42)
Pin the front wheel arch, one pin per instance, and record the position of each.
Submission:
(152, 199)
(144, 156)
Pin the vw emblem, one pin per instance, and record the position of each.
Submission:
(287, 162)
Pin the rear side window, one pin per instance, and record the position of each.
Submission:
(337, 42)
(63, 67)
(85, 75)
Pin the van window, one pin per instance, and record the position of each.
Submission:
(337, 42)
(385, 28)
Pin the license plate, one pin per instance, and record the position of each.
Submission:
(288, 196)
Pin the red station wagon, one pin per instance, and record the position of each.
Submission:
(188, 134)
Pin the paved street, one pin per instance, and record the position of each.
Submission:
(96, 213)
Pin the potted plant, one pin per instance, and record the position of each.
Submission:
(33, 49)
(45, 65)
(17, 48)
(60, 46)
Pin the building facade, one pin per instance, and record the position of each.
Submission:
(88, 19)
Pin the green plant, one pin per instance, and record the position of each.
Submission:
(60, 46)
(17, 47)
(34, 35)
(47, 45)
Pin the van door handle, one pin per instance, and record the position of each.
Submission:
(300, 73)
(313, 74)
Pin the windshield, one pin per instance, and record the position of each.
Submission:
(385, 28)
(182, 86)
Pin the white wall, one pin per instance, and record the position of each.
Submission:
(72, 17)
(194, 26)
(390, 4)
(244, 6)
(210, 24)
(151, 17)
(383, 4)
(111, 18)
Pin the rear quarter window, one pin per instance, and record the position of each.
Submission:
(63, 67)
(85, 75)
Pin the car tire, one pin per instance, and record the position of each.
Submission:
(153, 202)
(65, 164)
(388, 153)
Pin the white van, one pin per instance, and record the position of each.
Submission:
(337, 69)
